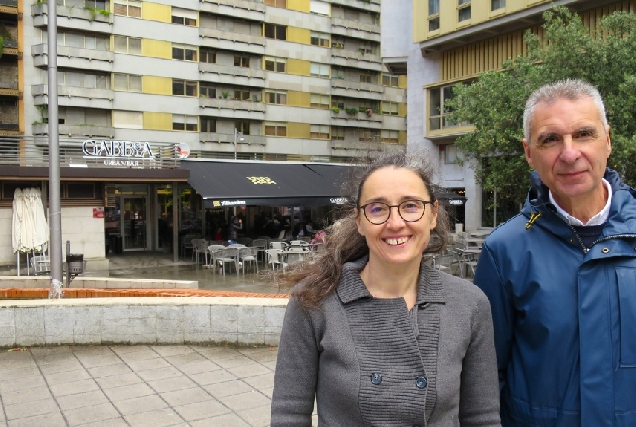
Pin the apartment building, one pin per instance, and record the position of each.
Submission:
(283, 80)
(454, 41)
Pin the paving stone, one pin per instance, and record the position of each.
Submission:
(99, 360)
(246, 371)
(257, 417)
(96, 413)
(171, 350)
(172, 384)
(233, 362)
(198, 367)
(53, 419)
(64, 365)
(228, 388)
(159, 373)
(114, 422)
(114, 381)
(128, 392)
(207, 378)
(182, 397)
(30, 380)
(30, 408)
(66, 377)
(185, 359)
(260, 381)
(29, 394)
(228, 420)
(201, 410)
(156, 418)
(144, 365)
(140, 404)
(109, 370)
(249, 400)
(76, 387)
(89, 399)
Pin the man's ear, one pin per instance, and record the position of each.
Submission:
(526, 149)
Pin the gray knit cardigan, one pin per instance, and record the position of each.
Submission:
(367, 362)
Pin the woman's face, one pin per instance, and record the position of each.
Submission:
(396, 241)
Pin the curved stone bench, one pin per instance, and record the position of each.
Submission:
(98, 282)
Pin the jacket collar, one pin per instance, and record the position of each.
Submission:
(352, 288)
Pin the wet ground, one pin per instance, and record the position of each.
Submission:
(159, 265)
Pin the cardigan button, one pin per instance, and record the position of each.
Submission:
(376, 379)
(605, 250)
(421, 382)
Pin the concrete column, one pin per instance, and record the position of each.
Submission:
(175, 221)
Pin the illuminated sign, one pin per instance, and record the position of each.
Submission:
(260, 180)
(338, 200)
(217, 204)
(119, 149)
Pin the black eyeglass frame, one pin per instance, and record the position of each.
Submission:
(425, 202)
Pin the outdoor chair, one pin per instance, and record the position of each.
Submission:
(273, 259)
(228, 256)
(260, 245)
(248, 256)
(186, 242)
(215, 252)
(278, 245)
(200, 246)
(294, 254)
(244, 241)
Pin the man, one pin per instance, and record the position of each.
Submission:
(561, 275)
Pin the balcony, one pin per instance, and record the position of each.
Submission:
(355, 29)
(10, 47)
(251, 10)
(86, 130)
(231, 75)
(7, 129)
(371, 6)
(9, 88)
(228, 138)
(360, 120)
(73, 57)
(356, 145)
(9, 7)
(232, 108)
(226, 40)
(72, 96)
(360, 58)
(351, 89)
(73, 18)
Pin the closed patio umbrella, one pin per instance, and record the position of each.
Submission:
(30, 229)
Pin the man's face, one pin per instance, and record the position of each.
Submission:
(569, 148)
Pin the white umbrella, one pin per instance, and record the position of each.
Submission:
(30, 229)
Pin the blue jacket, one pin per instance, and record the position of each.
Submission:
(564, 315)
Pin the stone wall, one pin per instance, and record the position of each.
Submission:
(237, 321)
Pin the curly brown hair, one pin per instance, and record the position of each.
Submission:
(320, 272)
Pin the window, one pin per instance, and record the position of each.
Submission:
(337, 103)
(80, 190)
(207, 91)
(208, 56)
(208, 124)
(83, 41)
(319, 7)
(389, 80)
(242, 61)
(127, 82)
(187, 123)
(438, 111)
(128, 119)
(242, 95)
(184, 53)
(389, 136)
(497, 4)
(319, 101)
(365, 106)
(390, 108)
(184, 17)
(319, 39)
(242, 126)
(278, 65)
(319, 132)
(275, 97)
(368, 135)
(124, 44)
(130, 8)
(184, 87)
(463, 12)
(96, 4)
(277, 3)
(273, 31)
(320, 70)
(88, 81)
(450, 154)
(337, 43)
(275, 129)
(368, 78)
(337, 133)
(433, 15)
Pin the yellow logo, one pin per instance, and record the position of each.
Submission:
(216, 203)
(260, 180)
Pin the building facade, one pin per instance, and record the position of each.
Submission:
(299, 80)
(454, 41)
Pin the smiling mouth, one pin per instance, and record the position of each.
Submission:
(395, 242)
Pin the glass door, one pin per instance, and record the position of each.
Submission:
(133, 223)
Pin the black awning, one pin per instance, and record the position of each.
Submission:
(450, 198)
(236, 183)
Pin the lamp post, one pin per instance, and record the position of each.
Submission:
(238, 136)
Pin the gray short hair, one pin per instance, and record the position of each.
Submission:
(570, 89)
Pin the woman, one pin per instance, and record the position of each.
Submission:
(373, 334)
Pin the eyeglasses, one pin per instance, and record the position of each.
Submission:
(409, 210)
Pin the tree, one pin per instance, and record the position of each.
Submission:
(494, 103)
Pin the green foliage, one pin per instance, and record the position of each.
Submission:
(351, 111)
(225, 94)
(335, 109)
(494, 103)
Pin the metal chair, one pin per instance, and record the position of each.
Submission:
(215, 252)
(228, 256)
(273, 258)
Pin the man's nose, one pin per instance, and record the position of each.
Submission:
(570, 152)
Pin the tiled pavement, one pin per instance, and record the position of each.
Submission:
(136, 386)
